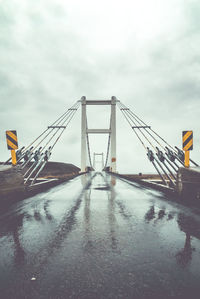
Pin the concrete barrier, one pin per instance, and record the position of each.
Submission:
(188, 182)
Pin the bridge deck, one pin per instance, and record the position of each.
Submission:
(99, 237)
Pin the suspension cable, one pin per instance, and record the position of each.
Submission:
(43, 157)
(140, 130)
(58, 129)
(136, 124)
(134, 130)
(139, 119)
(56, 122)
(64, 129)
(140, 123)
(148, 130)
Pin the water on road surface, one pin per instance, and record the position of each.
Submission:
(99, 237)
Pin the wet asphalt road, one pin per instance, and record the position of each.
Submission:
(95, 237)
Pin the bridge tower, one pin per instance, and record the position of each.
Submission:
(111, 130)
(102, 160)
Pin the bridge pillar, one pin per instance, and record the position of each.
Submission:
(111, 130)
(113, 135)
(102, 160)
(83, 135)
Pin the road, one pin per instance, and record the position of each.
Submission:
(99, 237)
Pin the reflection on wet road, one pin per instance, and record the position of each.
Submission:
(99, 237)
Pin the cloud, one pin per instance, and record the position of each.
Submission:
(145, 53)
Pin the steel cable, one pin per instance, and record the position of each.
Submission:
(140, 121)
(126, 110)
(134, 130)
(57, 121)
(58, 129)
(131, 120)
(64, 129)
(63, 121)
(150, 128)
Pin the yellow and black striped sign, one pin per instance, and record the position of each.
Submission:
(11, 137)
(187, 140)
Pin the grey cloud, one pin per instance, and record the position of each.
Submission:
(48, 60)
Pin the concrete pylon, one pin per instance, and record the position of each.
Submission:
(94, 159)
(83, 134)
(85, 130)
(113, 135)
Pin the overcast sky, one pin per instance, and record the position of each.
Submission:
(145, 52)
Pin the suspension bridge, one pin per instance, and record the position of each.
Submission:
(165, 158)
(100, 234)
